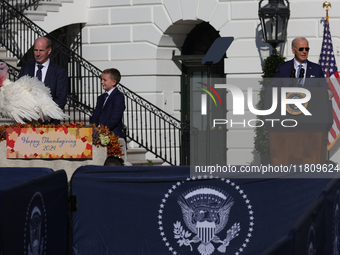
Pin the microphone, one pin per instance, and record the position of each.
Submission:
(292, 75)
(302, 73)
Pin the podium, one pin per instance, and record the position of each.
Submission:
(296, 138)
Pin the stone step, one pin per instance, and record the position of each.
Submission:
(49, 6)
(146, 162)
(136, 154)
(11, 61)
(52, 6)
(5, 121)
(43, 8)
(35, 15)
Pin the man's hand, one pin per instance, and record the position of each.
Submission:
(330, 94)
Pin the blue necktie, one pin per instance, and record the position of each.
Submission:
(105, 97)
(298, 72)
(300, 79)
(39, 73)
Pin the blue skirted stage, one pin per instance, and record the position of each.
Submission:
(162, 210)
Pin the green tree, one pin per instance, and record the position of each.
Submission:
(261, 140)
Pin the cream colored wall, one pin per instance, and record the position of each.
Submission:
(139, 36)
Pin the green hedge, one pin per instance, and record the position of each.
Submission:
(269, 68)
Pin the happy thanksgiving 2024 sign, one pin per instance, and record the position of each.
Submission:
(53, 143)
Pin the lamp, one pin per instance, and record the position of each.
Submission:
(274, 20)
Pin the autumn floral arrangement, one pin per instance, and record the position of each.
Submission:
(101, 136)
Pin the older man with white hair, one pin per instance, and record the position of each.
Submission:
(301, 68)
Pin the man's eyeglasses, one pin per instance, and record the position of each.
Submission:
(301, 49)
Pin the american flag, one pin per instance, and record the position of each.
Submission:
(327, 61)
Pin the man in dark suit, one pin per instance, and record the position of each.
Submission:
(54, 76)
(299, 69)
(110, 105)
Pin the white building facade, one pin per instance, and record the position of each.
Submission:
(140, 37)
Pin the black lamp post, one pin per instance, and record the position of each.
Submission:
(274, 20)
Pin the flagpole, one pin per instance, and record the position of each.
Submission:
(327, 5)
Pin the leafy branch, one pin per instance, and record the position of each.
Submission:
(261, 140)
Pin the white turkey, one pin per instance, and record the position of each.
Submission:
(27, 99)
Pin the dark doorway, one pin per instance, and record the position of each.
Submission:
(195, 47)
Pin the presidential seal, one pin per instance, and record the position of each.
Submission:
(311, 250)
(292, 108)
(204, 223)
(35, 227)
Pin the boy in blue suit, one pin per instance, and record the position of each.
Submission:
(110, 105)
(300, 67)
